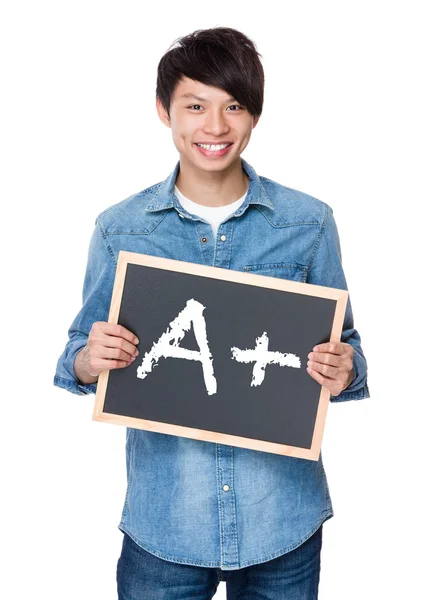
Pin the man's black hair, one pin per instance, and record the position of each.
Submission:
(221, 57)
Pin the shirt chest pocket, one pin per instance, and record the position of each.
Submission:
(293, 271)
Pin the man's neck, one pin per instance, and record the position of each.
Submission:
(216, 188)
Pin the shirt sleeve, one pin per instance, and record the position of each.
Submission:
(326, 269)
(96, 298)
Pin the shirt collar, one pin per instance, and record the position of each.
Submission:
(165, 197)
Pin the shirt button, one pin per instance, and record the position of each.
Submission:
(223, 238)
(225, 487)
(204, 239)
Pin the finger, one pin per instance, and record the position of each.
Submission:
(116, 354)
(325, 358)
(326, 370)
(107, 364)
(117, 330)
(118, 343)
(331, 347)
(325, 381)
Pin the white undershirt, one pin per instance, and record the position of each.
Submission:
(212, 214)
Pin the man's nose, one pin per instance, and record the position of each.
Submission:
(216, 123)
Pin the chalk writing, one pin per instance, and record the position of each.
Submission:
(167, 346)
(262, 357)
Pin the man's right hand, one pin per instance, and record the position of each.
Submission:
(109, 346)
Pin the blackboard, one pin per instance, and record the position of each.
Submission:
(227, 390)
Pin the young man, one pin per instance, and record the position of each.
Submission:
(197, 512)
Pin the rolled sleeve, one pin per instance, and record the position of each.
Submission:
(96, 298)
(326, 269)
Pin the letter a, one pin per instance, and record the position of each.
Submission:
(168, 344)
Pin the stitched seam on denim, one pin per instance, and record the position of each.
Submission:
(215, 250)
(327, 493)
(152, 188)
(218, 477)
(326, 515)
(233, 501)
(281, 265)
(318, 240)
(138, 232)
(349, 392)
(105, 241)
(85, 389)
(290, 189)
(66, 382)
(282, 225)
(270, 204)
(352, 395)
(293, 191)
(157, 191)
(360, 394)
(142, 192)
(131, 461)
(230, 241)
(218, 243)
(71, 385)
(167, 556)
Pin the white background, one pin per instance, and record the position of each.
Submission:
(345, 119)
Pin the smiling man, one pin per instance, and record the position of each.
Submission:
(210, 130)
(197, 512)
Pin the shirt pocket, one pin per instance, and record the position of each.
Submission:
(283, 270)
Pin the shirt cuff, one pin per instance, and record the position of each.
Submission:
(72, 385)
(359, 394)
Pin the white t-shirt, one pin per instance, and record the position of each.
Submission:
(212, 214)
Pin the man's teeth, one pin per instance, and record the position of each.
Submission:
(214, 148)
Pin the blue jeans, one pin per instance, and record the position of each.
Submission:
(291, 576)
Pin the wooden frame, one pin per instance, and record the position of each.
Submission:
(340, 296)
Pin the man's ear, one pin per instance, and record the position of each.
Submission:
(162, 113)
(255, 121)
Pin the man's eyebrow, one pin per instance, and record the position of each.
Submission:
(189, 95)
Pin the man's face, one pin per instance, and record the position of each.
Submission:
(204, 114)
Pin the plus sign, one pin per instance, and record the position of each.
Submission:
(262, 356)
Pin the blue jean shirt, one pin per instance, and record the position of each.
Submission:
(192, 501)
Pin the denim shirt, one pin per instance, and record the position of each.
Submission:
(192, 501)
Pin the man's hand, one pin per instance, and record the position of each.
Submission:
(331, 364)
(109, 346)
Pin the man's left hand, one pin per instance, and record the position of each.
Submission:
(331, 364)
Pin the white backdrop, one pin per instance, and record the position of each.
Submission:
(345, 119)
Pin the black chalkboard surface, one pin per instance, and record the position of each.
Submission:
(222, 355)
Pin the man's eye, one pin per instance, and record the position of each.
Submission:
(235, 105)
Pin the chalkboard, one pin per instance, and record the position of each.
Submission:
(222, 355)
